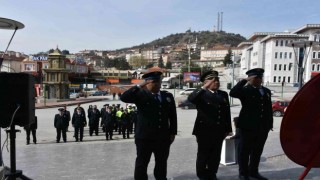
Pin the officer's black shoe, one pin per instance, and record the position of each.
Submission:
(258, 176)
(28, 142)
(242, 177)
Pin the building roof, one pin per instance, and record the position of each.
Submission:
(245, 43)
(288, 35)
(307, 27)
(263, 34)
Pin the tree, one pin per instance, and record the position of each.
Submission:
(169, 65)
(121, 63)
(150, 65)
(50, 51)
(138, 61)
(160, 62)
(227, 58)
(65, 52)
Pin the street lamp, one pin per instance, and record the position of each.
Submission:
(302, 45)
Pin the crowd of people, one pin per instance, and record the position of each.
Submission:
(109, 119)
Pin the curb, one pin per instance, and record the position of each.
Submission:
(70, 103)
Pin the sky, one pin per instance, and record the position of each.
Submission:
(77, 25)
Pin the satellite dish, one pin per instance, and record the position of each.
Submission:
(10, 24)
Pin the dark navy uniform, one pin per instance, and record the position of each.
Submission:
(61, 124)
(79, 122)
(156, 122)
(108, 122)
(94, 117)
(212, 124)
(32, 128)
(255, 121)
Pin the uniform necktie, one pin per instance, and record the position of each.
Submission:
(261, 91)
(156, 97)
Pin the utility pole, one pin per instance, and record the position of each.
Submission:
(232, 79)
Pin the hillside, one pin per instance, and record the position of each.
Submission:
(205, 38)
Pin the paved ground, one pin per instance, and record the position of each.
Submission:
(95, 158)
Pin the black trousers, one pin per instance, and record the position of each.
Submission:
(76, 133)
(160, 149)
(208, 156)
(109, 131)
(250, 149)
(34, 135)
(125, 131)
(94, 128)
(64, 134)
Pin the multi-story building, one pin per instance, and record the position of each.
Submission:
(274, 52)
(214, 56)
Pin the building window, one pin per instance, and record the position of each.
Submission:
(318, 55)
(29, 67)
(274, 78)
(53, 78)
(290, 55)
(280, 56)
(284, 67)
(279, 67)
(279, 79)
(276, 55)
(285, 55)
(313, 55)
(318, 67)
(284, 79)
(286, 42)
(275, 67)
(277, 42)
(288, 79)
(313, 67)
(281, 43)
(290, 66)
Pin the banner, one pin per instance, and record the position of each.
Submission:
(191, 77)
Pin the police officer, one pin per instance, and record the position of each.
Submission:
(212, 125)
(255, 121)
(108, 121)
(79, 122)
(125, 123)
(61, 123)
(32, 128)
(67, 113)
(94, 117)
(156, 125)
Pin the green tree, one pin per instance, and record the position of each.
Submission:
(160, 62)
(65, 52)
(169, 65)
(227, 58)
(121, 63)
(150, 65)
(138, 61)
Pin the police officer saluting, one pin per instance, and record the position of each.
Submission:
(156, 124)
(255, 121)
(212, 125)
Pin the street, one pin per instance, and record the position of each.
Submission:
(96, 158)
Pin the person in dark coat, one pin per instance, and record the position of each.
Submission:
(125, 123)
(79, 122)
(94, 117)
(102, 111)
(32, 128)
(108, 121)
(255, 121)
(81, 108)
(212, 125)
(67, 113)
(89, 110)
(61, 124)
(156, 125)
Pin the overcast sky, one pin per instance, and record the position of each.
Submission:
(113, 24)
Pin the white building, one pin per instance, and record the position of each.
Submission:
(274, 52)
